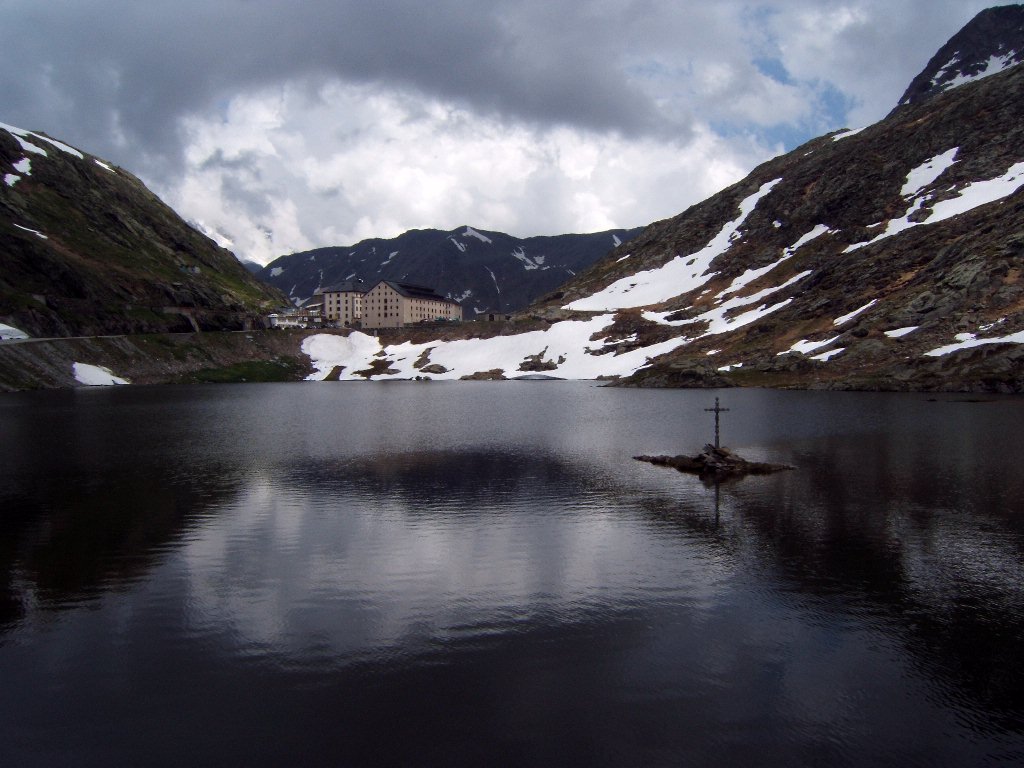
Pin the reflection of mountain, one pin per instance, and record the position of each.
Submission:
(423, 482)
(76, 536)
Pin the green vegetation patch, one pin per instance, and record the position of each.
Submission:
(284, 369)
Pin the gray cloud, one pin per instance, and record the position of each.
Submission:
(96, 67)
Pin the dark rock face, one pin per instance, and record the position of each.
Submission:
(882, 246)
(87, 249)
(995, 33)
(488, 272)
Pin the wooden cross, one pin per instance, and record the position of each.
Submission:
(716, 410)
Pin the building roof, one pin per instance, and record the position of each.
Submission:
(349, 286)
(413, 291)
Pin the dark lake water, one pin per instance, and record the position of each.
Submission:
(479, 574)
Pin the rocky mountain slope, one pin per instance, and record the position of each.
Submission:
(889, 257)
(86, 249)
(486, 271)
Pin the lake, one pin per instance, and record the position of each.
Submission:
(479, 573)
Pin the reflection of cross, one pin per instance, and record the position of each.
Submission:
(717, 410)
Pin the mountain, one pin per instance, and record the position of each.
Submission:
(486, 271)
(991, 42)
(87, 249)
(890, 257)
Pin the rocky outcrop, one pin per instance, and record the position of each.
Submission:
(715, 463)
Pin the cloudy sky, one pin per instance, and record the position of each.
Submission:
(279, 126)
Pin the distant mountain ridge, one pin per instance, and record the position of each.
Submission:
(485, 271)
(86, 249)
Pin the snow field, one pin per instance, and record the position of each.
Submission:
(680, 275)
(567, 341)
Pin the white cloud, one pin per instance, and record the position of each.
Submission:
(283, 170)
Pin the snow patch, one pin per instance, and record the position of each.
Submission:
(970, 341)
(804, 346)
(354, 352)
(10, 179)
(24, 166)
(925, 174)
(528, 263)
(95, 375)
(971, 196)
(277, 271)
(824, 356)
(21, 135)
(848, 317)
(680, 275)
(10, 332)
(103, 165)
(616, 241)
(896, 333)
(718, 319)
(847, 133)
(470, 232)
(59, 145)
(35, 232)
(751, 275)
(814, 234)
(458, 244)
(496, 286)
(993, 66)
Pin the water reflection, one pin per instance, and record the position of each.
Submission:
(512, 580)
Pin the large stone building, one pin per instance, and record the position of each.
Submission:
(391, 304)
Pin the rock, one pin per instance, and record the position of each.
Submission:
(715, 464)
(495, 374)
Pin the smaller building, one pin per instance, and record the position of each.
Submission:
(392, 304)
(308, 316)
(343, 303)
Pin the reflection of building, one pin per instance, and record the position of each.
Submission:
(343, 303)
(391, 304)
